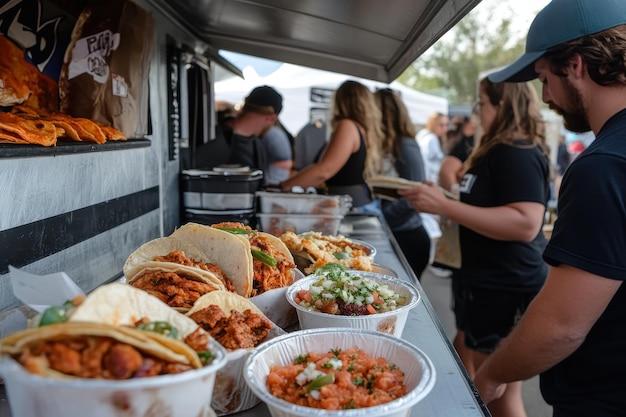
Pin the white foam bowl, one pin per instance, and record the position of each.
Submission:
(185, 394)
(391, 322)
(419, 371)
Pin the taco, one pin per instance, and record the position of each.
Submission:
(230, 253)
(236, 323)
(99, 351)
(124, 306)
(231, 319)
(172, 252)
(179, 287)
(272, 263)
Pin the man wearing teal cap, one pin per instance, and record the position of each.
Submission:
(574, 332)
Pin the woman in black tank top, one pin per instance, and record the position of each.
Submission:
(352, 154)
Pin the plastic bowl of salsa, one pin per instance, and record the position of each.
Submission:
(284, 351)
(367, 312)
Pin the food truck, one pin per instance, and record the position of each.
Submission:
(147, 68)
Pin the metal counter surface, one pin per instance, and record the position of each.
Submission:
(453, 395)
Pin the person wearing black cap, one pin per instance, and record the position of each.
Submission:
(574, 332)
(238, 141)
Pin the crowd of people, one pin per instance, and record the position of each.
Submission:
(524, 306)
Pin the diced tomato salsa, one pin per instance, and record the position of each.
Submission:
(358, 380)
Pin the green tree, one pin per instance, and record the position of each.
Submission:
(451, 68)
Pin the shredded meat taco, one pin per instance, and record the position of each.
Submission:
(95, 350)
(231, 319)
(172, 253)
(272, 262)
(230, 253)
(126, 307)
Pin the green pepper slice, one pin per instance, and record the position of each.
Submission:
(55, 314)
(161, 327)
(341, 255)
(206, 357)
(264, 257)
(320, 381)
(236, 231)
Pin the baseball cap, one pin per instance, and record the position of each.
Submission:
(264, 97)
(559, 22)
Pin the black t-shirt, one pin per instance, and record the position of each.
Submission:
(463, 148)
(231, 148)
(590, 234)
(506, 174)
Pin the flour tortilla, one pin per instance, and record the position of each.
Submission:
(123, 305)
(226, 301)
(144, 256)
(231, 252)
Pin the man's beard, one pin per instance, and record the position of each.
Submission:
(575, 118)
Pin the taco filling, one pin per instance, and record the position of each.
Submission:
(240, 330)
(271, 266)
(175, 288)
(180, 258)
(95, 357)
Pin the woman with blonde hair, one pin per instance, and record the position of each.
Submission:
(503, 196)
(352, 154)
(431, 142)
(402, 158)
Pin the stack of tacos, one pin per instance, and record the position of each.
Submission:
(261, 257)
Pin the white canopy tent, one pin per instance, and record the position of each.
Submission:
(307, 93)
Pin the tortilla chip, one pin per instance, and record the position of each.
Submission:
(87, 130)
(112, 133)
(37, 132)
(22, 82)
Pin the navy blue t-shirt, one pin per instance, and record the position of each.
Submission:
(506, 174)
(590, 234)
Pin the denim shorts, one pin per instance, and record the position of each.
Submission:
(487, 316)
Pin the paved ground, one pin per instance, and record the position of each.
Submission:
(438, 291)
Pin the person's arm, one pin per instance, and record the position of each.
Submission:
(518, 221)
(343, 142)
(449, 172)
(554, 326)
(286, 164)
